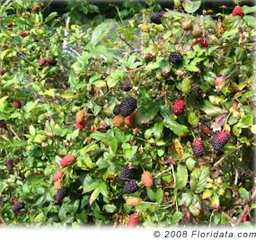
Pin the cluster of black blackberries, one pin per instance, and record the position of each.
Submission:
(130, 185)
(61, 194)
(127, 106)
(156, 17)
(18, 205)
(126, 173)
(175, 58)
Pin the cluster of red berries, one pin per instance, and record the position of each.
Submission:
(50, 61)
(58, 176)
(218, 141)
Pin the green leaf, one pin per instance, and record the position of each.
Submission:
(250, 20)
(89, 185)
(199, 178)
(186, 198)
(175, 127)
(115, 77)
(51, 16)
(8, 53)
(176, 217)
(109, 208)
(151, 66)
(147, 112)
(247, 9)
(100, 32)
(39, 138)
(191, 6)
(40, 217)
(114, 145)
(159, 195)
(230, 33)
(193, 118)
(212, 110)
(32, 130)
(126, 150)
(181, 176)
(30, 106)
(244, 193)
(151, 194)
(192, 67)
(3, 102)
(94, 195)
(88, 148)
(169, 122)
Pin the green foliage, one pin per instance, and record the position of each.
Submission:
(93, 64)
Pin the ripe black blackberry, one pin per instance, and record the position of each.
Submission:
(198, 147)
(116, 110)
(51, 61)
(175, 58)
(18, 205)
(126, 86)
(61, 194)
(219, 140)
(9, 165)
(126, 173)
(127, 106)
(156, 17)
(131, 187)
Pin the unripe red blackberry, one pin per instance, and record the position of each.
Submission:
(127, 106)
(58, 175)
(16, 104)
(198, 147)
(35, 9)
(2, 72)
(134, 219)
(18, 205)
(61, 194)
(175, 58)
(238, 11)
(220, 139)
(149, 57)
(81, 126)
(42, 62)
(156, 17)
(131, 187)
(178, 107)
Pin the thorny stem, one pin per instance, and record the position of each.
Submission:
(228, 45)
(2, 220)
(183, 35)
(14, 133)
(173, 174)
(126, 42)
(161, 173)
(216, 164)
